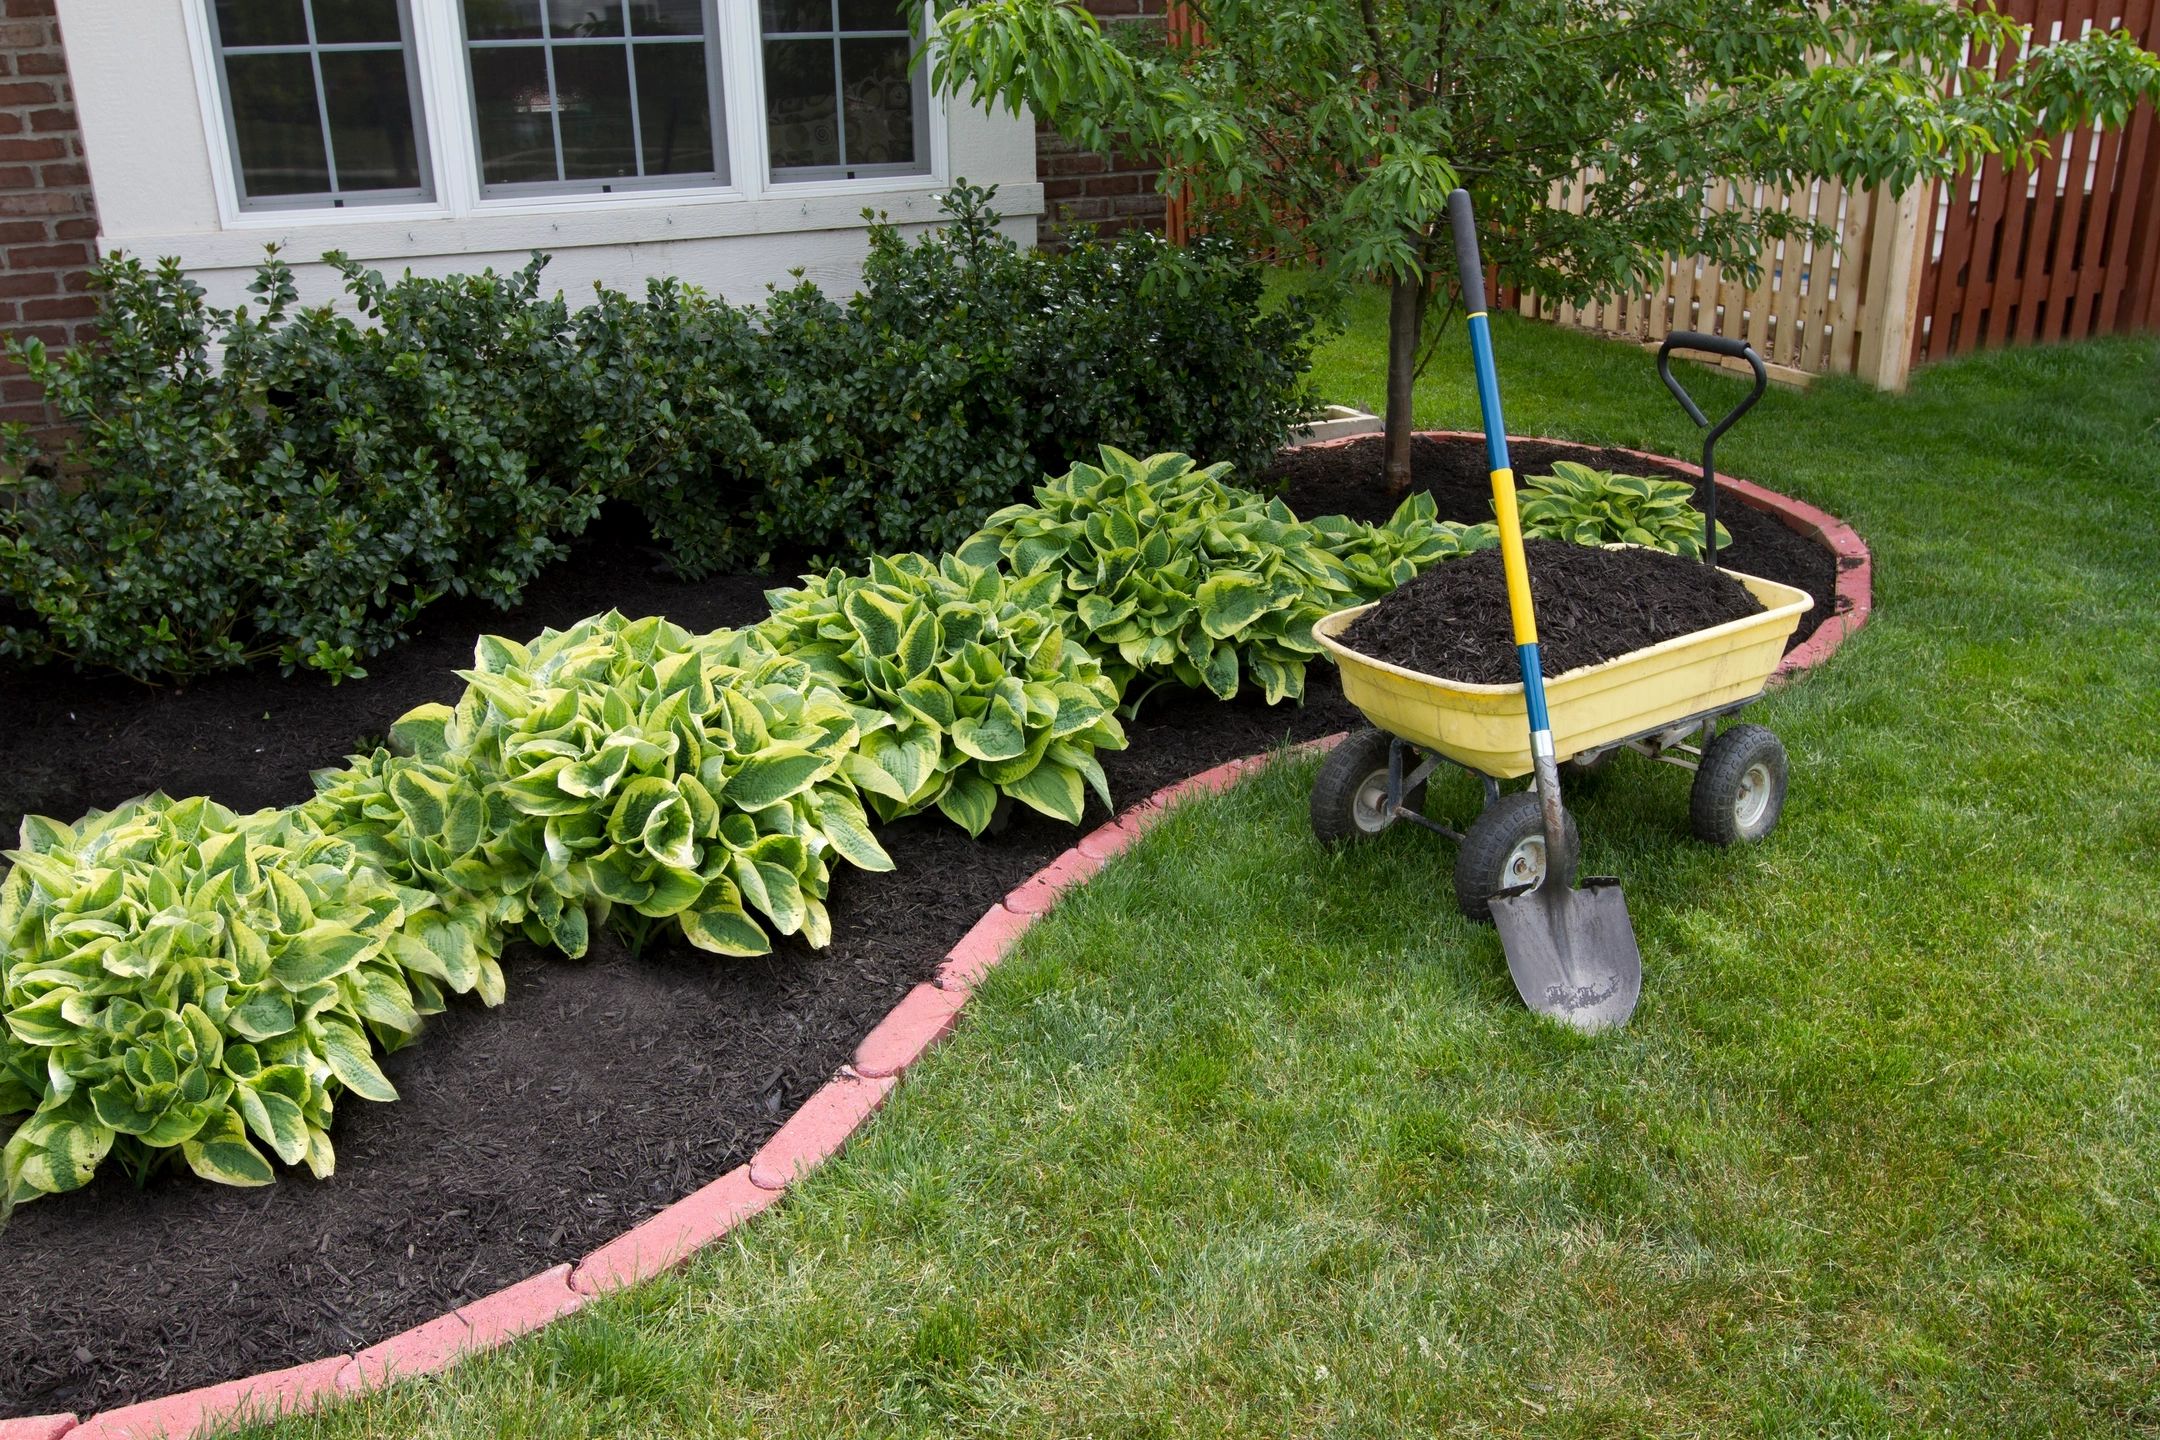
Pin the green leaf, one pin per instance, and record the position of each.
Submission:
(1054, 790)
(774, 775)
(968, 801)
(345, 1050)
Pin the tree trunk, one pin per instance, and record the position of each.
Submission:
(1406, 320)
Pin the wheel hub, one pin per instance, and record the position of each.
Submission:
(1753, 797)
(1371, 806)
(1525, 864)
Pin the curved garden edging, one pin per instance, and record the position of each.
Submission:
(831, 1115)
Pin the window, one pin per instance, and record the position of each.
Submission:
(320, 101)
(843, 95)
(594, 94)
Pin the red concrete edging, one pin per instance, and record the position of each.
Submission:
(830, 1117)
(1854, 599)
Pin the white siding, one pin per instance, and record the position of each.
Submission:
(163, 185)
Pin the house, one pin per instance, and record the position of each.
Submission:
(728, 142)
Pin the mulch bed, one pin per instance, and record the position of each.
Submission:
(1453, 621)
(1345, 480)
(602, 1089)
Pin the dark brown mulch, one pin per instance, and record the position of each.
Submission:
(1592, 604)
(600, 1091)
(1345, 480)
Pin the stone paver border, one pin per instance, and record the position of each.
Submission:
(828, 1118)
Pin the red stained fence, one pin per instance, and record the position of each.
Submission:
(2067, 248)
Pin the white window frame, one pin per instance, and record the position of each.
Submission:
(451, 142)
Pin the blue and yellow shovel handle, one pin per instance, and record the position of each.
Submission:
(1472, 273)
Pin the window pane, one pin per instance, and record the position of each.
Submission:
(371, 120)
(785, 16)
(801, 123)
(261, 22)
(502, 19)
(880, 102)
(342, 22)
(592, 89)
(674, 112)
(874, 15)
(573, 19)
(667, 17)
(515, 113)
(275, 124)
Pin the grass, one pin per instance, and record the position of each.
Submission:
(1253, 1140)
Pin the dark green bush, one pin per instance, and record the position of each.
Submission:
(282, 481)
(298, 483)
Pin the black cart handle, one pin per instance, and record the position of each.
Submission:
(1710, 345)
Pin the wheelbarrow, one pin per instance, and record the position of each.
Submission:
(1668, 701)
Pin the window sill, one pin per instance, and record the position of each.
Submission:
(565, 223)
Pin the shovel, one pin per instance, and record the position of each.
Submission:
(1571, 950)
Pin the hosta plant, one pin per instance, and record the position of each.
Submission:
(1375, 559)
(984, 693)
(176, 978)
(1174, 575)
(629, 769)
(1598, 507)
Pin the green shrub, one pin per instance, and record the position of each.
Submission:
(297, 484)
(626, 769)
(1597, 507)
(984, 693)
(176, 978)
(968, 367)
(282, 482)
(1174, 575)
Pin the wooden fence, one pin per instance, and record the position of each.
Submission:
(2064, 249)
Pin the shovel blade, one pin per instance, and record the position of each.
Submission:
(1572, 952)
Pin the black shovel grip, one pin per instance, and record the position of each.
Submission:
(1468, 268)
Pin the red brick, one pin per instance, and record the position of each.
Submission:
(25, 34)
(65, 172)
(10, 123)
(1064, 189)
(49, 148)
(22, 8)
(26, 257)
(43, 202)
(1112, 185)
(40, 62)
(17, 177)
(921, 1019)
(27, 92)
(286, 1392)
(58, 117)
(72, 307)
(673, 1235)
(37, 1427)
(990, 941)
(818, 1130)
(517, 1309)
(1082, 163)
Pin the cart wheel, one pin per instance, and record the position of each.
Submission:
(1349, 799)
(1739, 786)
(1596, 763)
(1505, 848)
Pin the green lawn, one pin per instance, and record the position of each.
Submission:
(1253, 1140)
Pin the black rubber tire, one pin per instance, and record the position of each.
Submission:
(1481, 863)
(1715, 809)
(1337, 817)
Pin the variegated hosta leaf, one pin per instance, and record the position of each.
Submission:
(624, 768)
(1174, 575)
(178, 979)
(974, 687)
(1598, 507)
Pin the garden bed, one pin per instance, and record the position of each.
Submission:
(604, 1088)
(1341, 478)
(526, 1135)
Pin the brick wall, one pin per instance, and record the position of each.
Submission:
(48, 225)
(1086, 193)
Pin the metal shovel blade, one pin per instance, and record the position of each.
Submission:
(1571, 951)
